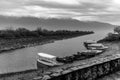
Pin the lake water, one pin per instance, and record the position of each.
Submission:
(25, 59)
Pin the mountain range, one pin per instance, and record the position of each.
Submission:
(51, 23)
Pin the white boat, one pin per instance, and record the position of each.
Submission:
(97, 46)
(46, 60)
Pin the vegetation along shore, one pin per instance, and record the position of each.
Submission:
(22, 37)
(112, 37)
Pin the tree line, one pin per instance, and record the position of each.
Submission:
(39, 32)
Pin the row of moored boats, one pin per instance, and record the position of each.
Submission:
(93, 49)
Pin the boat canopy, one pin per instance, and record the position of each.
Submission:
(46, 55)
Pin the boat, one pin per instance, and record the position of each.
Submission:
(96, 46)
(67, 59)
(89, 53)
(79, 56)
(86, 43)
(86, 54)
(93, 45)
(46, 60)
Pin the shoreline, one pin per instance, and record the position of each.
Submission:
(25, 46)
(14, 44)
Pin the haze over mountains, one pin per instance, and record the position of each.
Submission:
(51, 23)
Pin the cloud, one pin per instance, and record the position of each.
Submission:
(66, 2)
(86, 18)
(99, 10)
(116, 1)
(38, 11)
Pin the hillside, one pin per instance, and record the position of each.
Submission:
(51, 23)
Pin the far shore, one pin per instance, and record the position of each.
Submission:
(13, 47)
(22, 38)
(14, 44)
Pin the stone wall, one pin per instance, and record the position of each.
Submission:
(91, 72)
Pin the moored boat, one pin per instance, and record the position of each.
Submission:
(93, 45)
(89, 53)
(79, 56)
(67, 59)
(46, 60)
(97, 46)
(86, 43)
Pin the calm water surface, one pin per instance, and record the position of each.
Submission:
(25, 59)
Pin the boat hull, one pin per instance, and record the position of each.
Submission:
(42, 65)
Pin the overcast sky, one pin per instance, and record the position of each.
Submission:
(96, 10)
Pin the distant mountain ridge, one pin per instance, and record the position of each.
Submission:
(51, 23)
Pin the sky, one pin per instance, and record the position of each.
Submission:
(85, 10)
